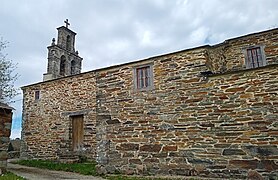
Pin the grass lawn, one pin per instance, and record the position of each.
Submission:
(88, 168)
(10, 176)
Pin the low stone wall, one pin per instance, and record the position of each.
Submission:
(5, 132)
(14, 148)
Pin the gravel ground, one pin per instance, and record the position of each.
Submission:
(32, 173)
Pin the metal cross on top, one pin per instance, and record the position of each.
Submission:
(67, 23)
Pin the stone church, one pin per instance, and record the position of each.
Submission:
(209, 111)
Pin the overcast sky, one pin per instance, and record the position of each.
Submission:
(112, 32)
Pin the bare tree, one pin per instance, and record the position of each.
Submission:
(7, 76)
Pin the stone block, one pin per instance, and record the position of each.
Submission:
(135, 161)
(5, 139)
(129, 171)
(254, 175)
(259, 124)
(244, 164)
(114, 156)
(103, 144)
(128, 147)
(169, 148)
(271, 117)
(151, 147)
(8, 126)
(160, 155)
(151, 160)
(217, 167)
(200, 161)
(103, 117)
(262, 151)
(111, 169)
(113, 121)
(220, 145)
(128, 154)
(3, 166)
(184, 172)
(231, 152)
(3, 155)
(235, 89)
(191, 152)
(102, 159)
(166, 127)
(268, 165)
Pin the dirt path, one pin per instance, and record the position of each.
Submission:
(32, 173)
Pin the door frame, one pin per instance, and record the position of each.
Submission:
(77, 136)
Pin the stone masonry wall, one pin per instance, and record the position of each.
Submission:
(206, 114)
(229, 55)
(5, 132)
(46, 129)
(218, 126)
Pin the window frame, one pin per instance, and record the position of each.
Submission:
(37, 95)
(263, 61)
(151, 77)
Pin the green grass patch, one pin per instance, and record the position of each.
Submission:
(10, 176)
(122, 177)
(86, 168)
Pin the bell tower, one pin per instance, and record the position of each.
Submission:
(63, 60)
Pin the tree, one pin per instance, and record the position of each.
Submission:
(7, 76)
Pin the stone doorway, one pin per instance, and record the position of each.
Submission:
(77, 132)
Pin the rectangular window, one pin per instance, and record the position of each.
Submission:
(37, 95)
(255, 57)
(143, 77)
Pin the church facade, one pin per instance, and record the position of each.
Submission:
(208, 111)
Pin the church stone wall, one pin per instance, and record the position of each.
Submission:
(229, 55)
(206, 114)
(222, 126)
(46, 129)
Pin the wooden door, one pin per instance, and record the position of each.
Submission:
(77, 132)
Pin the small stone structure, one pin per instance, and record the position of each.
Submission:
(5, 132)
(14, 148)
(209, 111)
